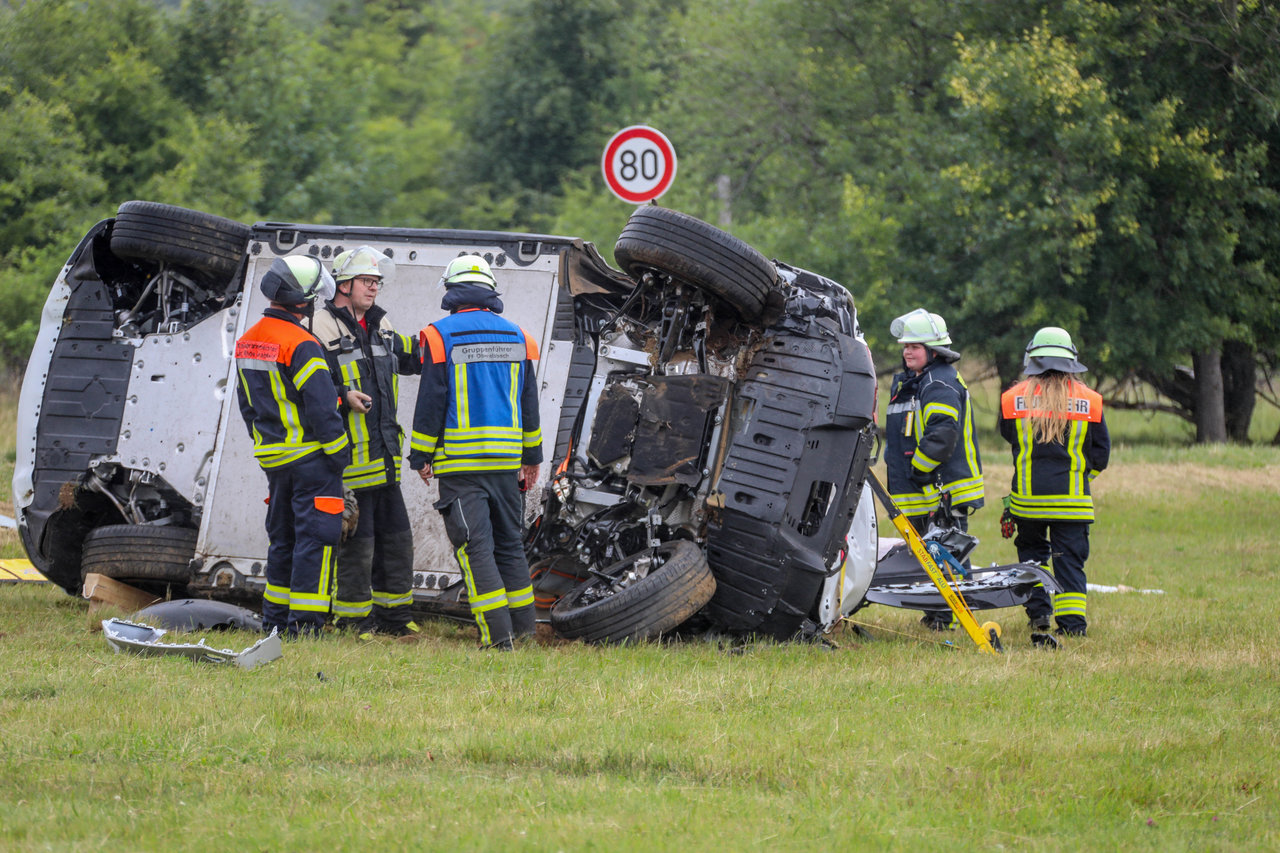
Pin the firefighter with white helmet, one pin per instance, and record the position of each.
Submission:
(366, 355)
(1058, 434)
(930, 442)
(287, 400)
(476, 431)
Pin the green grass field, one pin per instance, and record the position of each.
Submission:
(1157, 732)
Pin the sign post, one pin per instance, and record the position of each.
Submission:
(639, 164)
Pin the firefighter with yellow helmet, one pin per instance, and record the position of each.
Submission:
(1055, 426)
(476, 431)
(930, 442)
(287, 400)
(366, 355)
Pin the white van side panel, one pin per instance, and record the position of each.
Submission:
(232, 533)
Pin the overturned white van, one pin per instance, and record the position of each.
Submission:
(707, 418)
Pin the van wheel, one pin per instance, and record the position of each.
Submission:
(604, 610)
(657, 238)
(146, 230)
(139, 552)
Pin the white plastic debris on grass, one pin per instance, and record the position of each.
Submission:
(1097, 587)
(125, 636)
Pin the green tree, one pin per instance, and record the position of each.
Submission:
(1106, 194)
(553, 80)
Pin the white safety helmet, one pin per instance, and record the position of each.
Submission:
(362, 261)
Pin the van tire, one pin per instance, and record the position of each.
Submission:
(655, 605)
(657, 238)
(140, 552)
(202, 242)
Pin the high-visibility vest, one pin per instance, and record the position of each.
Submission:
(477, 405)
(1051, 479)
(285, 392)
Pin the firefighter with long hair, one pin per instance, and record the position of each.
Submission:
(1055, 426)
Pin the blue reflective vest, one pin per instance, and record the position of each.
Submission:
(477, 408)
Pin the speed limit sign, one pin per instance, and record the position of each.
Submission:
(638, 164)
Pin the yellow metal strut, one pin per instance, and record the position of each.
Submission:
(986, 637)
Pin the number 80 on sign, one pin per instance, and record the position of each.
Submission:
(639, 164)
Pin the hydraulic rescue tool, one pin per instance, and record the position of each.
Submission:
(987, 636)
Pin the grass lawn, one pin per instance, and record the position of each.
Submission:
(1157, 732)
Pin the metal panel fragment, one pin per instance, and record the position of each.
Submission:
(125, 636)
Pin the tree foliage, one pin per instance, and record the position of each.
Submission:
(1111, 167)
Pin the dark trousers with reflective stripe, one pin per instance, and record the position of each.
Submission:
(375, 567)
(304, 525)
(1067, 543)
(484, 520)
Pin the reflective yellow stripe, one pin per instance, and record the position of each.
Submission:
(276, 594)
(940, 409)
(284, 457)
(455, 433)
(422, 441)
(290, 419)
(464, 562)
(513, 398)
(462, 405)
(482, 448)
(1052, 507)
(453, 466)
(332, 447)
(520, 597)
(389, 600)
(489, 601)
(309, 602)
(308, 370)
(916, 503)
(929, 463)
(1022, 464)
(365, 476)
(1075, 451)
(1069, 604)
(350, 609)
(968, 489)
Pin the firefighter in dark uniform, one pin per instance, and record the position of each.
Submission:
(476, 430)
(930, 444)
(366, 357)
(288, 403)
(1060, 443)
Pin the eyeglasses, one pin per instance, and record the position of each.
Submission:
(368, 281)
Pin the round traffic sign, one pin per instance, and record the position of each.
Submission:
(639, 164)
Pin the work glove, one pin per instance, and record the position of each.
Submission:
(1007, 527)
(350, 513)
